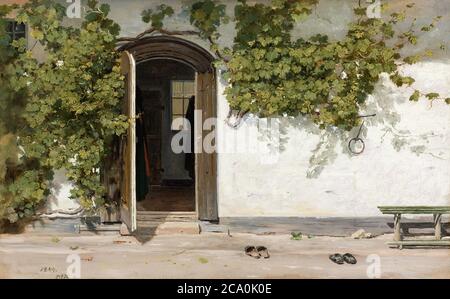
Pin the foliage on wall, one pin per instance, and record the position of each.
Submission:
(23, 179)
(73, 99)
(271, 73)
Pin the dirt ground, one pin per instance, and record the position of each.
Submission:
(212, 255)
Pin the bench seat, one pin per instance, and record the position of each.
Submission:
(414, 210)
(436, 211)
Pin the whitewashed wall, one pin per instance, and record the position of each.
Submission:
(413, 169)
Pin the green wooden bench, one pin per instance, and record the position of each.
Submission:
(436, 211)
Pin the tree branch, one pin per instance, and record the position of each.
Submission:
(158, 30)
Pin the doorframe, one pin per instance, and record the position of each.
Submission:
(181, 50)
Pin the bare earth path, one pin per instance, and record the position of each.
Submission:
(212, 255)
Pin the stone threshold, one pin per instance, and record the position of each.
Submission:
(335, 226)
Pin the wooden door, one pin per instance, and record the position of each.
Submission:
(128, 177)
(206, 163)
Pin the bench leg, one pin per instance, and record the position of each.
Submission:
(405, 230)
(397, 232)
(437, 226)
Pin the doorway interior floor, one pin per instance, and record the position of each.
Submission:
(168, 198)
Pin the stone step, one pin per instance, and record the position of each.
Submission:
(169, 228)
(100, 228)
(165, 213)
(164, 228)
(166, 216)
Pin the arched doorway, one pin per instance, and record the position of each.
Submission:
(183, 64)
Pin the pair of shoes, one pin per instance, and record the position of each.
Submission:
(340, 259)
(257, 252)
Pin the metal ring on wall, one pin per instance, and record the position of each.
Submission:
(353, 142)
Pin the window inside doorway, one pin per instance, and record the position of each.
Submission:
(181, 92)
(15, 30)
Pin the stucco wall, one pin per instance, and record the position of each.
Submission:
(407, 156)
(391, 171)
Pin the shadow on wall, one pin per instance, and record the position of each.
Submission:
(385, 103)
(386, 98)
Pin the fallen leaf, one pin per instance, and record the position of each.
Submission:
(55, 239)
(87, 258)
(119, 242)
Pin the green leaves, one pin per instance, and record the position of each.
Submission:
(296, 236)
(156, 17)
(415, 96)
(432, 96)
(400, 80)
(6, 9)
(73, 104)
(105, 9)
(271, 74)
(21, 186)
(92, 4)
(207, 15)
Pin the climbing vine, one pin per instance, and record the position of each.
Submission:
(157, 17)
(270, 73)
(73, 100)
(24, 181)
(74, 95)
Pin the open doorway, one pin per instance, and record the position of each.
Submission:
(168, 71)
(165, 96)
